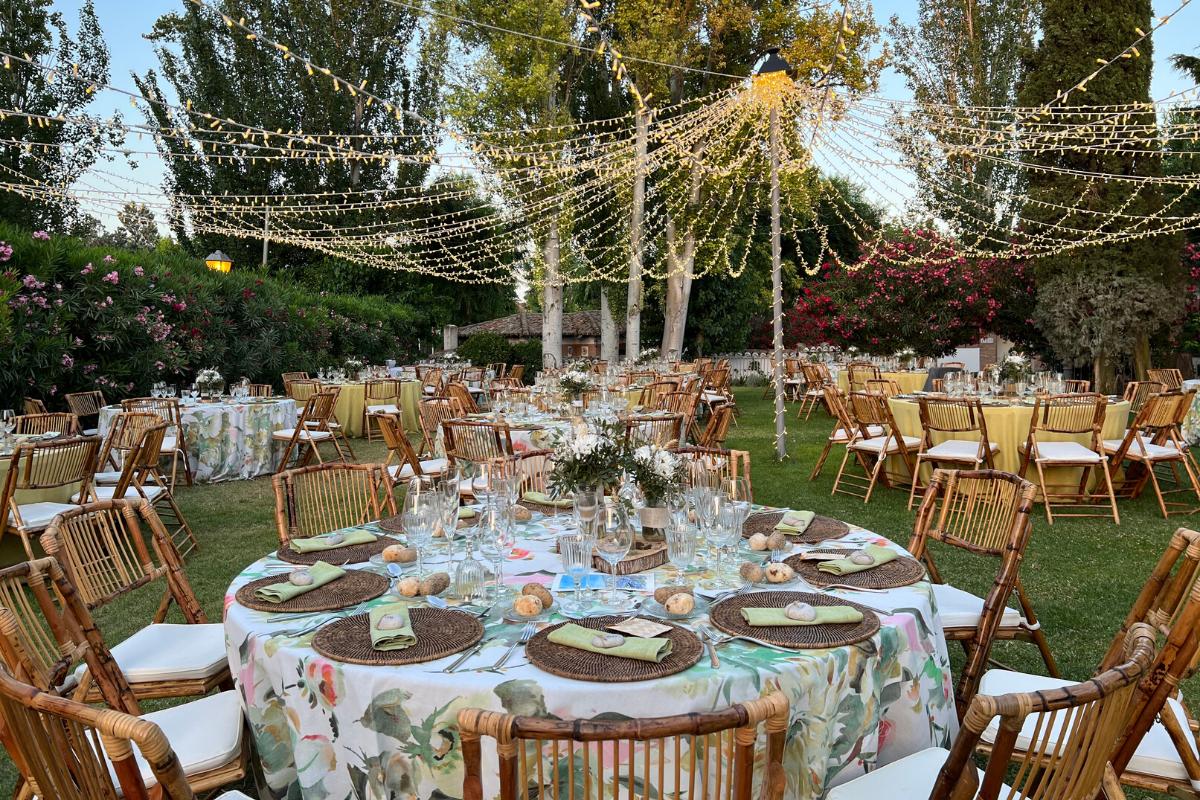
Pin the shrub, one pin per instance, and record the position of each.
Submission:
(485, 348)
(530, 354)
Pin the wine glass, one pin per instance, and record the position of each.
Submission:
(614, 538)
(499, 538)
(420, 516)
(576, 551)
(738, 492)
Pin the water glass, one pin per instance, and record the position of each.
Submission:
(8, 420)
(585, 504)
(614, 538)
(681, 544)
(419, 521)
(576, 551)
(499, 538)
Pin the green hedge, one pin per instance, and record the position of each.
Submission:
(489, 348)
(101, 318)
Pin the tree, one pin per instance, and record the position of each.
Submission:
(962, 56)
(138, 230)
(1062, 198)
(1182, 149)
(58, 84)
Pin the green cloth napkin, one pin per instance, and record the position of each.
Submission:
(466, 513)
(844, 566)
(396, 638)
(795, 522)
(759, 617)
(279, 592)
(543, 499)
(579, 637)
(317, 543)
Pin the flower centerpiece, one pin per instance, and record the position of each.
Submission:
(353, 368)
(593, 459)
(209, 382)
(647, 356)
(1013, 369)
(659, 475)
(575, 382)
(906, 358)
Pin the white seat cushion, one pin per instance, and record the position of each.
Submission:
(171, 652)
(168, 445)
(91, 431)
(875, 444)
(713, 397)
(960, 609)
(1148, 449)
(311, 436)
(205, 733)
(958, 449)
(840, 435)
(910, 778)
(107, 492)
(1155, 754)
(106, 477)
(1049, 452)
(383, 409)
(433, 466)
(429, 390)
(234, 796)
(36, 516)
(312, 423)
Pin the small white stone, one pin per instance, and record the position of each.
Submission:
(300, 577)
(862, 558)
(608, 640)
(335, 538)
(801, 612)
(390, 622)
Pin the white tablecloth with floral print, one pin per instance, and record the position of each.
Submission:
(1191, 425)
(228, 440)
(325, 729)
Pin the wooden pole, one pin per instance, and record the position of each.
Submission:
(552, 302)
(266, 234)
(777, 293)
(633, 307)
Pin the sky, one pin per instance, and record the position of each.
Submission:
(125, 21)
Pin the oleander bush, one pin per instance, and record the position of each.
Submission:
(485, 348)
(80, 317)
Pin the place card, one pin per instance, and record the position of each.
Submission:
(641, 628)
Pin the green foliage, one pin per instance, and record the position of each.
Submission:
(99, 318)
(485, 348)
(530, 354)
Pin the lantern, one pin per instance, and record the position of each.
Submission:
(218, 262)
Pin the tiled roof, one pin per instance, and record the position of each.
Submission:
(528, 325)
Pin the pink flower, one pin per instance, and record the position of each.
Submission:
(138, 271)
(41, 236)
(181, 306)
(109, 260)
(67, 361)
(111, 277)
(6, 251)
(87, 270)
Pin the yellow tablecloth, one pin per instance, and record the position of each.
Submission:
(352, 401)
(1007, 427)
(908, 381)
(60, 494)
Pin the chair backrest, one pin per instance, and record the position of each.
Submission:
(165, 407)
(475, 441)
(1072, 732)
(32, 405)
(717, 462)
(433, 412)
(432, 379)
(261, 390)
(54, 463)
(835, 401)
(1154, 423)
(517, 374)
(463, 395)
(689, 754)
(717, 379)
(126, 431)
(868, 409)
(379, 390)
(717, 427)
(71, 751)
(1136, 392)
(1069, 414)
(85, 404)
(663, 430)
(987, 513)
(103, 549)
(288, 377)
(653, 392)
(679, 403)
(858, 375)
(1170, 378)
(394, 437)
(953, 365)
(532, 469)
(884, 386)
(64, 422)
(310, 501)
(1077, 385)
(140, 461)
(952, 416)
(302, 388)
(319, 408)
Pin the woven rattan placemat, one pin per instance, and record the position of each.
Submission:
(900, 572)
(351, 554)
(582, 665)
(819, 530)
(352, 588)
(727, 616)
(440, 632)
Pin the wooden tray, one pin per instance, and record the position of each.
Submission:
(644, 556)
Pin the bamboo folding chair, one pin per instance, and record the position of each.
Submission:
(953, 422)
(531, 468)
(516, 375)
(870, 412)
(310, 501)
(288, 377)
(85, 406)
(685, 403)
(410, 464)
(690, 753)
(332, 423)
(716, 429)
(124, 434)
(985, 513)
(70, 751)
(844, 428)
(45, 631)
(1158, 749)
(260, 390)
(300, 389)
(463, 397)
(1074, 765)
(1170, 378)
(475, 442)
(1151, 442)
(311, 431)
(174, 443)
(652, 393)
(103, 550)
(1068, 415)
(661, 430)
(715, 389)
(1077, 386)
(1136, 393)
(31, 405)
(857, 375)
(62, 423)
(716, 462)
(816, 378)
(433, 412)
(884, 386)
(41, 466)
(431, 383)
(380, 397)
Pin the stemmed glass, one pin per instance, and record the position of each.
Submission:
(499, 538)
(421, 514)
(738, 492)
(8, 423)
(576, 551)
(614, 538)
(681, 543)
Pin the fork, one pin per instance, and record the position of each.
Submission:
(526, 634)
(731, 593)
(721, 639)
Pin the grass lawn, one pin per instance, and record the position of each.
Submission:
(1082, 575)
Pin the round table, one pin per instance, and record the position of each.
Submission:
(1191, 424)
(1007, 427)
(352, 401)
(907, 380)
(229, 440)
(330, 730)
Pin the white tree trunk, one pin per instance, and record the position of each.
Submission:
(552, 302)
(681, 261)
(610, 345)
(633, 306)
(777, 293)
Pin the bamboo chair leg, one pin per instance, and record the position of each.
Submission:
(879, 462)
(841, 469)
(912, 491)
(1158, 495)
(1045, 494)
(821, 460)
(1112, 498)
(189, 476)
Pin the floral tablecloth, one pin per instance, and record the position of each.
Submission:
(229, 440)
(330, 730)
(1191, 425)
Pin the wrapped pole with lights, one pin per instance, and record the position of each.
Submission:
(218, 261)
